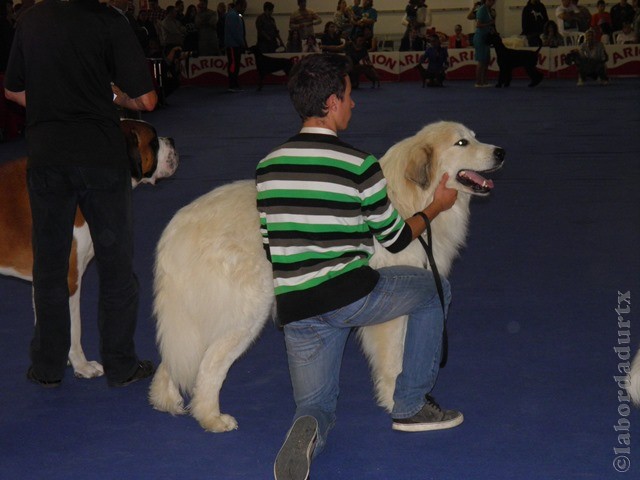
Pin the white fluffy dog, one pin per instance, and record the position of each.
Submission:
(213, 283)
(633, 380)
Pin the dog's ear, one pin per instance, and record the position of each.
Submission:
(133, 151)
(419, 166)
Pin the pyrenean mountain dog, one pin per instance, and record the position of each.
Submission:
(213, 283)
(633, 380)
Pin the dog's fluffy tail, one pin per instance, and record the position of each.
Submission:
(633, 385)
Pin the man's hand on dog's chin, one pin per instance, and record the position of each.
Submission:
(444, 197)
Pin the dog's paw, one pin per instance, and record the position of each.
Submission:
(218, 423)
(88, 369)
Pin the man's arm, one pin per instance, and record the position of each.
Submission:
(145, 102)
(18, 97)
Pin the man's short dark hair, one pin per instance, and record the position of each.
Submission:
(268, 7)
(314, 80)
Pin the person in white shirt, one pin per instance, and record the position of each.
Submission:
(567, 16)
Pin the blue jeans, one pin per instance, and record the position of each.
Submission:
(315, 345)
(104, 197)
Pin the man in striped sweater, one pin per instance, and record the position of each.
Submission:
(321, 204)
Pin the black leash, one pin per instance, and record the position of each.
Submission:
(427, 245)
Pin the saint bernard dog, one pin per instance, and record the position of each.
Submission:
(151, 158)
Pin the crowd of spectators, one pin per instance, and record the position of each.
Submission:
(174, 32)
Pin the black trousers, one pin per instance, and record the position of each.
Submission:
(234, 55)
(104, 197)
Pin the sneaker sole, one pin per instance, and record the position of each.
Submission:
(294, 458)
(427, 427)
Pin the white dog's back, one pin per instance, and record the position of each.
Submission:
(214, 244)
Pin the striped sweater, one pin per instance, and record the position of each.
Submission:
(321, 203)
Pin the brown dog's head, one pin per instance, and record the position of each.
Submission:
(151, 157)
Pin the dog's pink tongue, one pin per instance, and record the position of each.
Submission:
(478, 179)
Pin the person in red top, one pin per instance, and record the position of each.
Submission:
(601, 23)
(458, 39)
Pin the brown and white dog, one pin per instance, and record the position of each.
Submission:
(151, 157)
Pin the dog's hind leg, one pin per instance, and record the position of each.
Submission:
(205, 403)
(82, 368)
(83, 247)
(383, 346)
(164, 395)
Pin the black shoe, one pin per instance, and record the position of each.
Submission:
(430, 417)
(294, 458)
(31, 375)
(145, 370)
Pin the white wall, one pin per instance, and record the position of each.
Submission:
(446, 14)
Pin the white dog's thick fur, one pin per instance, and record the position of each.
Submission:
(213, 283)
(633, 384)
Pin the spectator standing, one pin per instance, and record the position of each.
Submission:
(484, 23)
(191, 32)
(156, 15)
(180, 10)
(417, 18)
(534, 17)
(601, 23)
(343, 19)
(621, 12)
(423, 18)
(149, 27)
(356, 11)
(567, 17)
(222, 13)
(235, 42)
(206, 25)
(268, 35)
(122, 7)
(584, 16)
(368, 19)
(303, 21)
(458, 39)
(80, 164)
(173, 31)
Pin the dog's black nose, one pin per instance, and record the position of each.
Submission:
(499, 154)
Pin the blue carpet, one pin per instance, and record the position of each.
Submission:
(532, 325)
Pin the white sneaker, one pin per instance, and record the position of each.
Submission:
(580, 82)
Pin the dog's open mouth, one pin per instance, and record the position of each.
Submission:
(475, 181)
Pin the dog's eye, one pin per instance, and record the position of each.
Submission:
(462, 143)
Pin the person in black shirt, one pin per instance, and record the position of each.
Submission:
(78, 158)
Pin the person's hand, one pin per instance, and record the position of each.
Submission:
(444, 197)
